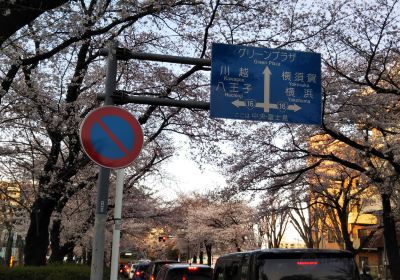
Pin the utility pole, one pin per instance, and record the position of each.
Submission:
(104, 177)
(119, 190)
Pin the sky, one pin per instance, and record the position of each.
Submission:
(185, 176)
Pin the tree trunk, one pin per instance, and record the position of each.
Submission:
(238, 249)
(308, 238)
(260, 236)
(389, 233)
(20, 248)
(86, 255)
(18, 13)
(9, 244)
(70, 254)
(201, 257)
(37, 239)
(343, 220)
(208, 251)
(56, 254)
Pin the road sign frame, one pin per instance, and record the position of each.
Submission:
(95, 128)
(262, 84)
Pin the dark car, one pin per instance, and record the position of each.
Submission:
(185, 271)
(124, 269)
(287, 264)
(138, 270)
(155, 267)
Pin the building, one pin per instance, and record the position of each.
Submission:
(292, 244)
(345, 199)
(11, 243)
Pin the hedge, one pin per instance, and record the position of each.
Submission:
(49, 272)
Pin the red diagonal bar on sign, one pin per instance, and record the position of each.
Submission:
(113, 137)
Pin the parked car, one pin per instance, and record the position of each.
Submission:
(138, 270)
(287, 264)
(185, 271)
(154, 268)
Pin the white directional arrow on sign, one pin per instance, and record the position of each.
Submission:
(267, 78)
(294, 107)
(250, 103)
(266, 105)
(239, 103)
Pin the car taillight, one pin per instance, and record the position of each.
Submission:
(183, 277)
(137, 273)
(152, 277)
(307, 263)
(192, 268)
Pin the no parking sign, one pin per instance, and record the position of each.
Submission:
(111, 137)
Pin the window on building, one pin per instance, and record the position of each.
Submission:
(362, 235)
(331, 236)
(363, 262)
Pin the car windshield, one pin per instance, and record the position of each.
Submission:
(185, 274)
(319, 268)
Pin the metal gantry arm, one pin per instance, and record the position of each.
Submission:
(125, 54)
(123, 97)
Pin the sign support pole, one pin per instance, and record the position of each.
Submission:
(103, 181)
(119, 189)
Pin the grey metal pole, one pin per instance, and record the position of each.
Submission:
(103, 181)
(119, 190)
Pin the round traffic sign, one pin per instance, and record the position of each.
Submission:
(111, 137)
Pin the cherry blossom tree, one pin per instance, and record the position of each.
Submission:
(306, 215)
(187, 243)
(273, 218)
(51, 71)
(226, 226)
(59, 78)
(214, 225)
(360, 103)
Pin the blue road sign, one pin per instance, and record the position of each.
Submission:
(111, 137)
(264, 84)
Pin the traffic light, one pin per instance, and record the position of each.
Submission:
(162, 238)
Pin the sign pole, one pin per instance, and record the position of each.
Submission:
(103, 181)
(119, 188)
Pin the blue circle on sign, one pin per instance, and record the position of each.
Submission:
(120, 129)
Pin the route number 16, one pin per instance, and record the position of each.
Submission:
(250, 103)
